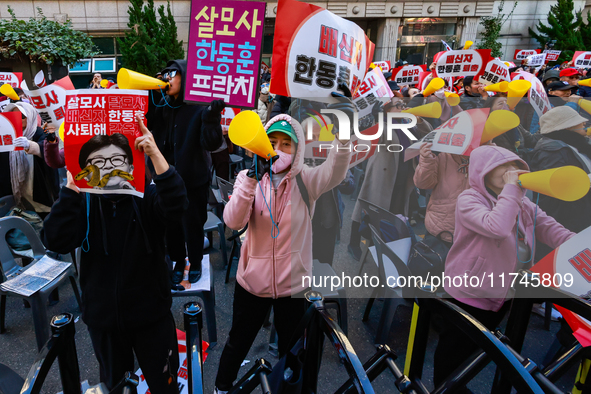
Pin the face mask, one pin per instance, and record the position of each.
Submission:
(282, 163)
(26, 100)
(440, 94)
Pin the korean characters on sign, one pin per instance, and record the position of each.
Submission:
(408, 75)
(582, 59)
(460, 63)
(384, 65)
(552, 55)
(537, 95)
(10, 129)
(314, 50)
(224, 57)
(522, 54)
(536, 60)
(13, 79)
(495, 71)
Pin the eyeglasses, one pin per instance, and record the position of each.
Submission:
(101, 162)
(169, 74)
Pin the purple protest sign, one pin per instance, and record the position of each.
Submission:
(225, 47)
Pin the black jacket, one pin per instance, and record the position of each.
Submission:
(550, 153)
(123, 274)
(184, 134)
(471, 102)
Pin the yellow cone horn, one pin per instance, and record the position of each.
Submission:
(517, 89)
(61, 131)
(127, 79)
(498, 122)
(247, 131)
(468, 44)
(104, 83)
(434, 85)
(502, 87)
(9, 92)
(585, 82)
(567, 183)
(453, 99)
(585, 104)
(431, 110)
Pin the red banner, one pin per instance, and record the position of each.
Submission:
(100, 132)
(522, 54)
(551, 55)
(314, 50)
(408, 75)
(384, 65)
(13, 79)
(10, 128)
(462, 63)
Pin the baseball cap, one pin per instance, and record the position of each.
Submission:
(284, 127)
(393, 86)
(559, 85)
(569, 72)
(551, 74)
(560, 118)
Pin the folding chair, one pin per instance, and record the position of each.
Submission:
(6, 204)
(37, 300)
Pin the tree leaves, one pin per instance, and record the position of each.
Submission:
(492, 30)
(40, 39)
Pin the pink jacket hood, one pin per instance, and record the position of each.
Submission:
(274, 267)
(484, 248)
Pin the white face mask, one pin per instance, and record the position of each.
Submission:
(282, 163)
(440, 94)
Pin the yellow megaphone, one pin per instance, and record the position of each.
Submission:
(61, 132)
(517, 89)
(247, 131)
(498, 122)
(568, 183)
(431, 110)
(127, 79)
(468, 44)
(498, 87)
(434, 85)
(585, 82)
(585, 104)
(453, 99)
(104, 83)
(9, 92)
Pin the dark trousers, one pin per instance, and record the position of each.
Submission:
(454, 347)
(324, 241)
(248, 316)
(155, 347)
(221, 164)
(190, 232)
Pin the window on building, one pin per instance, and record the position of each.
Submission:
(107, 63)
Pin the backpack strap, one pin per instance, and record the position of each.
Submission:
(303, 191)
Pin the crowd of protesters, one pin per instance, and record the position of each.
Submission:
(474, 205)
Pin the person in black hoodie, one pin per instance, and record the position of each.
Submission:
(126, 295)
(185, 134)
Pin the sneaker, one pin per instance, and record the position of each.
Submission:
(354, 251)
(218, 391)
(540, 309)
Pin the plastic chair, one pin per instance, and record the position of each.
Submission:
(208, 298)
(236, 161)
(6, 204)
(37, 300)
(215, 224)
(394, 296)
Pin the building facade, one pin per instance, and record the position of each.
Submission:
(411, 30)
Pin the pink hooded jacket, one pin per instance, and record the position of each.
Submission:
(484, 239)
(274, 267)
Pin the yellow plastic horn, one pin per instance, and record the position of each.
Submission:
(468, 44)
(567, 183)
(498, 87)
(104, 83)
(247, 131)
(434, 85)
(431, 110)
(127, 79)
(585, 104)
(453, 99)
(585, 82)
(61, 132)
(517, 89)
(9, 92)
(498, 122)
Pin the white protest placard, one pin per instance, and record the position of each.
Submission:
(384, 65)
(13, 79)
(10, 129)
(50, 101)
(582, 59)
(408, 75)
(495, 71)
(552, 55)
(536, 60)
(537, 95)
(460, 135)
(462, 63)
(522, 54)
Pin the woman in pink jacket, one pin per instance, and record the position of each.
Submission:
(447, 176)
(494, 234)
(277, 251)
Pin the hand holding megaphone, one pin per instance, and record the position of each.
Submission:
(568, 183)
(260, 166)
(512, 177)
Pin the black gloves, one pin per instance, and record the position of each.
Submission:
(214, 111)
(260, 166)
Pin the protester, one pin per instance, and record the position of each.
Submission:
(54, 156)
(570, 76)
(549, 77)
(96, 81)
(220, 158)
(126, 295)
(486, 240)
(264, 106)
(559, 94)
(474, 94)
(277, 251)
(32, 183)
(447, 111)
(184, 134)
